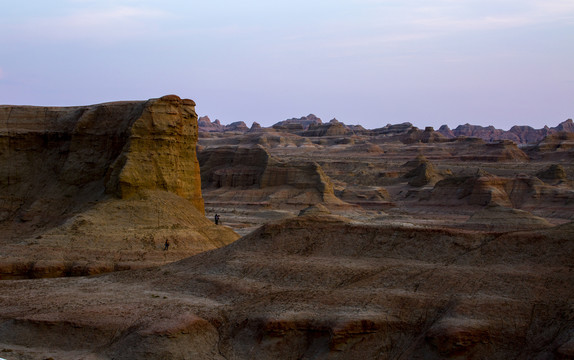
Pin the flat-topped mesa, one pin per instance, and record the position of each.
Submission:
(118, 148)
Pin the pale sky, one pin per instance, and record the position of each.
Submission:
(368, 62)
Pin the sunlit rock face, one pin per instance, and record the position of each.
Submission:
(99, 188)
(117, 148)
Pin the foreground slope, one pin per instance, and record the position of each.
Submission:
(315, 286)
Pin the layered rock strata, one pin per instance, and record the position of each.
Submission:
(235, 172)
(57, 163)
(124, 147)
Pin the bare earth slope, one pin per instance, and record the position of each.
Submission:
(317, 287)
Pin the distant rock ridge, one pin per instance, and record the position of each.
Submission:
(301, 123)
(205, 125)
(518, 134)
(263, 177)
(332, 128)
(311, 125)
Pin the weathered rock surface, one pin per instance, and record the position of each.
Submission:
(517, 134)
(205, 125)
(233, 166)
(559, 146)
(332, 128)
(311, 125)
(499, 218)
(302, 123)
(427, 136)
(555, 173)
(422, 173)
(314, 286)
(59, 163)
(482, 189)
(252, 175)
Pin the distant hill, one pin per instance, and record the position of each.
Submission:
(311, 125)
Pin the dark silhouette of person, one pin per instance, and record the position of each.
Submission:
(216, 219)
(166, 245)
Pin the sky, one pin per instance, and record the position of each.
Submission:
(368, 62)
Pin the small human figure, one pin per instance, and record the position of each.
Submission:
(216, 219)
(166, 245)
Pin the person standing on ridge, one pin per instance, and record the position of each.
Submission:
(216, 219)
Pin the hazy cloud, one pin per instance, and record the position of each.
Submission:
(102, 25)
(461, 16)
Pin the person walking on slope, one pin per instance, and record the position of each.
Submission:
(166, 245)
(216, 219)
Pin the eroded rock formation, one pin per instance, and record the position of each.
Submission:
(228, 170)
(302, 123)
(59, 163)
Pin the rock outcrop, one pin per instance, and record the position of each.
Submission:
(517, 134)
(205, 125)
(117, 148)
(497, 151)
(302, 123)
(231, 169)
(238, 126)
(393, 129)
(233, 166)
(553, 174)
(423, 174)
(558, 146)
(427, 136)
(332, 128)
(520, 192)
(59, 163)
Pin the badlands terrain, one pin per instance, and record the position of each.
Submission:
(387, 243)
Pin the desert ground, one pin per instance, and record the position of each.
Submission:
(335, 241)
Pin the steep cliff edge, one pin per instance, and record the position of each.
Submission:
(57, 163)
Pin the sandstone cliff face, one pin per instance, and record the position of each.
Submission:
(118, 148)
(64, 170)
(521, 192)
(160, 152)
(559, 146)
(232, 168)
